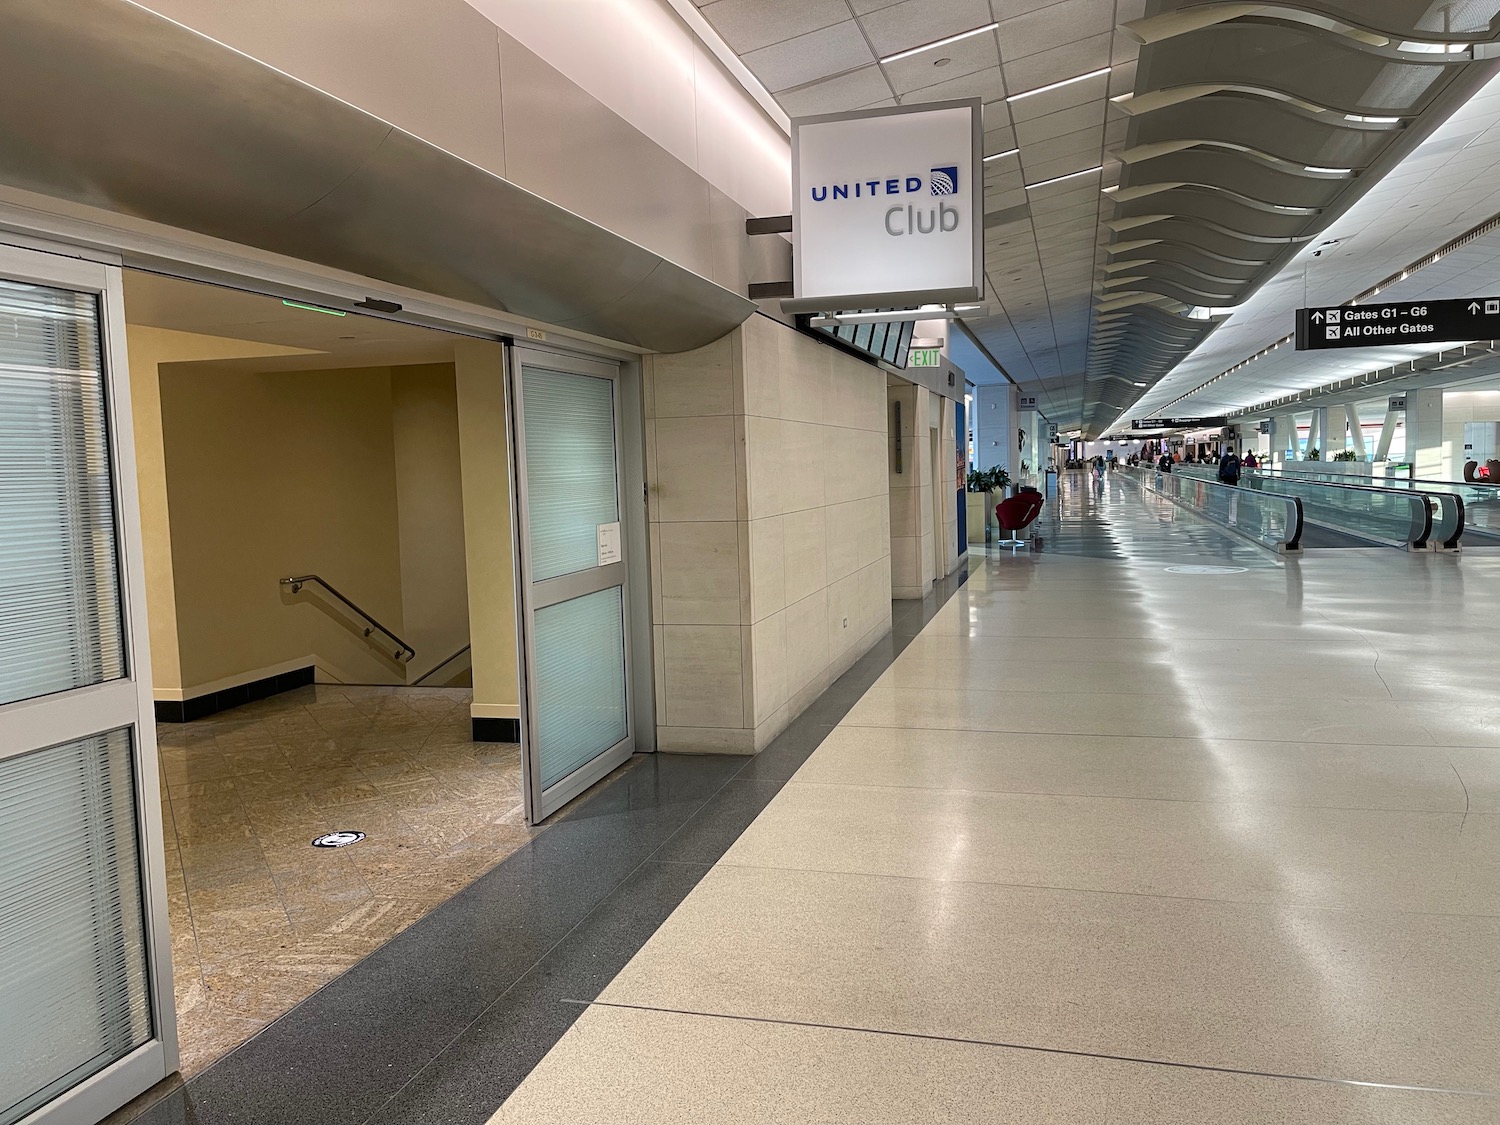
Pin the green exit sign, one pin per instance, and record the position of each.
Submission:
(925, 357)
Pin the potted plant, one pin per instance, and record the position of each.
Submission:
(1346, 455)
(986, 489)
(1312, 455)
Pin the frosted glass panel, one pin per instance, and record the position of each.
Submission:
(73, 986)
(570, 468)
(59, 582)
(580, 681)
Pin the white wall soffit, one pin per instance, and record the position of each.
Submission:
(1448, 184)
(110, 105)
(643, 60)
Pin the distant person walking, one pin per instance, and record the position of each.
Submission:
(1164, 463)
(1250, 462)
(1229, 467)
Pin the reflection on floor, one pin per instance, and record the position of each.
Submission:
(259, 917)
(1147, 827)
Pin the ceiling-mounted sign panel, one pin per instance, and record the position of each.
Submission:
(887, 208)
(1410, 322)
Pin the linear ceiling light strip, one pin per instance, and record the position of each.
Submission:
(939, 43)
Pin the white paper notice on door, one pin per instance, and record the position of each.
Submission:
(609, 543)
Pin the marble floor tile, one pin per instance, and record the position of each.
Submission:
(259, 918)
(1403, 999)
(651, 1067)
(1298, 774)
(1316, 857)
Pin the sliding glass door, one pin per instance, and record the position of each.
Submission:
(86, 1017)
(575, 607)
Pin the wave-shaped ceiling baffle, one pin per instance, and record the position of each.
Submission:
(1252, 127)
(1376, 23)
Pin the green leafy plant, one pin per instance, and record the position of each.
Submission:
(1312, 455)
(988, 480)
(1346, 455)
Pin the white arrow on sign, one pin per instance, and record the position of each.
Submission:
(1317, 318)
(1473, 307)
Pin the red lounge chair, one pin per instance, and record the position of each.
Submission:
(1017, 514)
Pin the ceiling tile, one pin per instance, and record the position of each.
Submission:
(807, 58)
(1054, 26)
(1067, 61)
(835, 95)
(750, 24)
(912, 23)
(1065, 121)
(965, 57)
(987, 85)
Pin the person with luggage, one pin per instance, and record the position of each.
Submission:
(1229, 466)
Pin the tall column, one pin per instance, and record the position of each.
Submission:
(1430, 456)
(1387, 435)
(1316, 430)
(1356, 431)
(484, 456)
(995, 427)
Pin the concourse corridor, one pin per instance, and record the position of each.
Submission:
(1145, 827)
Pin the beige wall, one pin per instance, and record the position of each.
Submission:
(769, 527)
(430, 512)
(148, 349)
(278, 474)
(489, 551)
(247, 477)
(923, 495)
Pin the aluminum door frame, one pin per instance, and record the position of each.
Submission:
(541, 803)
(64, 716)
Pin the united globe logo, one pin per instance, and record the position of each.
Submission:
(945, 181)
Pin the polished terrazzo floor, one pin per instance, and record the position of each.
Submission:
(259, 918)
(1109, 842)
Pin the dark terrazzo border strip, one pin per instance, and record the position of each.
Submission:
(446, 1019)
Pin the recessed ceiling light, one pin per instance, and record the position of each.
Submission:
(940, 42)
(1329, 171)
(1002, 155)
(944, 61)
(1060, 85)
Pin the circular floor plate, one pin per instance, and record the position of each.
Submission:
(338, 839)
(1207, 569)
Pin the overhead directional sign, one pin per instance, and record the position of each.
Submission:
(1178, 423)
(1413, 322)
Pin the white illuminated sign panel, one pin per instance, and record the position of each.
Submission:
(888, 208)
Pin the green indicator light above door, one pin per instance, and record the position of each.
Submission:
(312, 308)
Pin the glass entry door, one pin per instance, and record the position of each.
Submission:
(86, 1015)
(574, 615)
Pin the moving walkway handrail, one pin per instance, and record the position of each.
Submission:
(1236, 509)
(403, 653)
(1448, 527)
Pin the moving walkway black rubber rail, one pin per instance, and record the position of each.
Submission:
(403, 653)
(1447, 502)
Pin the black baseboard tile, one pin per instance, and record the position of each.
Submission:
(495, 730)
(211, 703)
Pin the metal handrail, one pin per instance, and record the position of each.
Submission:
(438, 666)
(294, 585)
(1448, 527)
(1170, 485)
